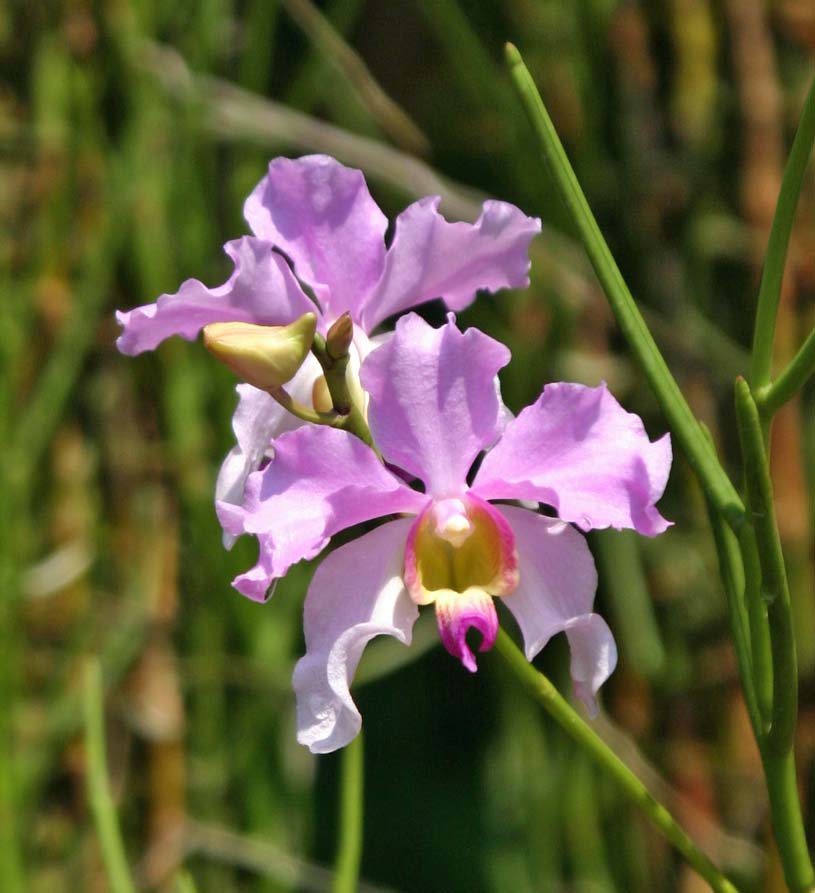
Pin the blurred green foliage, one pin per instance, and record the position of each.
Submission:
(131, 132)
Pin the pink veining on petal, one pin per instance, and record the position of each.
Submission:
(458, 613)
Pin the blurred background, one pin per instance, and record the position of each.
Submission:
(130, 133)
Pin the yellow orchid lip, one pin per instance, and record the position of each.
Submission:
(460, 544)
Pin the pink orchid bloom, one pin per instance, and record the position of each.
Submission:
(314, 221)
(434, 407)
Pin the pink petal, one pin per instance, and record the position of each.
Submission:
(261, 290)
(322, 216)
(578, 450)
(257, 420)
(431, 258)
(433, 401)
(555, 594)
(319, 482)
(459, 612)
(357, 593)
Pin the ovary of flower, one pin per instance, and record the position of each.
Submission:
(433, 409)
(314, 221)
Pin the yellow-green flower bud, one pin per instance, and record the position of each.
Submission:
(264, 356)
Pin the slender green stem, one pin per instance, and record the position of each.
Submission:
(332, 419)
(567, 718)
(777, 743)
(684, 425)
(788, 823)
(773, 396)
(101, 802)
(335, 370)
(349, 846)
(760, 646)
(732, 573)
(774, 587)
(770, 290)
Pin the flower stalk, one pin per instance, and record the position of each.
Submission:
(777, 743)
(349, 845)
(684, 425)
(775, 260)
(545, 693)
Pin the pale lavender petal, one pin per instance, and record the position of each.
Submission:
(357, 593)
(260, 290)
(431, 258)
(319, 481)
(578, 450)
(321, 214)
(257, 420)
(555, 594)
(433, 401)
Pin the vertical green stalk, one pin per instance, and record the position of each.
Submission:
(773, 274)
(777, 745)
(352, 792)
(732, 574)
(101, 802)
(559, 709)
(683, 424)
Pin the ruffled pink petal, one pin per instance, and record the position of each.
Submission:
(578, 450)
(319, 481)
(357, 593)
(261, 290)
(257, 420)
(321, 214)
(431, 258)
(459, 612)
(555, 594)
(433, 401)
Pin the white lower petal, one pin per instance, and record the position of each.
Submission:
(357, 593)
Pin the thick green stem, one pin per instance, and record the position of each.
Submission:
(773, 396)
(684, 425)
(773, 274)
(349, 846)
(567, 718)
(101, 802)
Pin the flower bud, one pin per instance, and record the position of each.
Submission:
(339, 337)
(264, 356)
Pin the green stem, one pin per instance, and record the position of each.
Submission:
(684, 425)
(761, 648)
(560, 710)
(335, 370)
(774, 587)
(777, 744)
(770, 290)
(788, 823)
(349, 847)
(101, 802)
(773, 396)
(332, 419)
(732, 574)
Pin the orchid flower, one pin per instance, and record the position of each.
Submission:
(314, 221)
(434, 408)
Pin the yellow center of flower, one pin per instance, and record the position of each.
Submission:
(460, 546)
